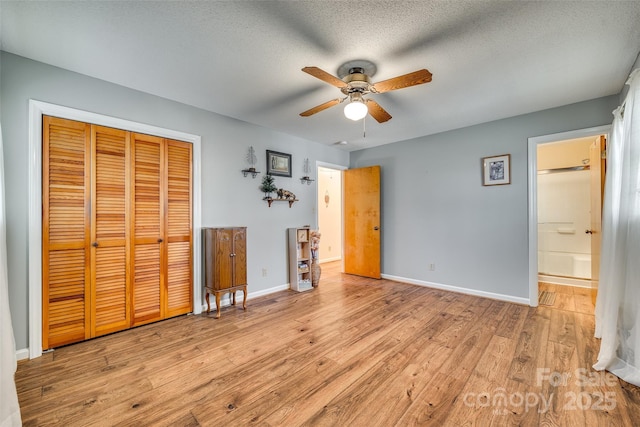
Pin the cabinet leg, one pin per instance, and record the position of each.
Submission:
(217, 305)
(208, 305)
(244, 298)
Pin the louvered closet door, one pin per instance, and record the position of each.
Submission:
(148, 227)
(109, 231)
(179, 296)
(66, 232)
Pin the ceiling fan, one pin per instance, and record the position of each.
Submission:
(355, 83)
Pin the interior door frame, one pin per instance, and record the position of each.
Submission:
(340, 168)
(36, 110)
(532, 173)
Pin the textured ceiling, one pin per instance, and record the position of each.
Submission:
(489, 59)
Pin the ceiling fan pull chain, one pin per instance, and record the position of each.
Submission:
(364, 127)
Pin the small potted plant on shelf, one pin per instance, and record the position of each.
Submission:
(268, 186)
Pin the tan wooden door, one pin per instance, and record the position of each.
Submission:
(148, 228)
(362, 221)
(110, 247)
(597, 167)
(66, 275)
(179, 293)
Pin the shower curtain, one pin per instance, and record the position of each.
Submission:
(9, 408)
(618, 303)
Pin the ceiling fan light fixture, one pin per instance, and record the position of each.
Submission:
(356, 109)
(355, 82)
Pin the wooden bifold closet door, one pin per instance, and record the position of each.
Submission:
(117, 231)
(110, 246)
(179, 295)
(148, 227)
(66, 230)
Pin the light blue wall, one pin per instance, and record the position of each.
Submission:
(435, 209)
(227, 197)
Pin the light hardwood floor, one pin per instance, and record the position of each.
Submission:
(354, 352)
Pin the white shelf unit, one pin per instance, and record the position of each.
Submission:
(299, 259)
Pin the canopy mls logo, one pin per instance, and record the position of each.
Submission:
(542, 402)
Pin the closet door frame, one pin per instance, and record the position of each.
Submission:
(37, 109)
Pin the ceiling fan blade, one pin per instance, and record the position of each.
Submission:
(324, 76)
(412, 79)
(377, 112)
(321, 107)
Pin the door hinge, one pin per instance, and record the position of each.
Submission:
(603, 154)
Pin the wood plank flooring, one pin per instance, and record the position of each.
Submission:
(354, 352)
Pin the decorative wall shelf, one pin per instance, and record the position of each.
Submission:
(251, 159)
(270, 200)
(307, 180)
(251, 171)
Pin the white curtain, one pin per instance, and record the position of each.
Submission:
(9, 408)
(618, 303)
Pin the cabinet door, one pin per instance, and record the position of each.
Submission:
(65, 232)
(179, 243)
(109, 230)
(223, 259)
(148, 227)
(240, 257)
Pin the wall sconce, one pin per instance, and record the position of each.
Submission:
(251, 159)
(306, 178)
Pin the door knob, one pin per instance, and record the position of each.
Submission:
(376, 228)
(588, 231)
(159, 240)
(95, 244)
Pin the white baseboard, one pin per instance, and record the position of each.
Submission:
(226, 300)
(323, 260)
(22, 354)
(467, 291)
(566, 281)
(264, 292)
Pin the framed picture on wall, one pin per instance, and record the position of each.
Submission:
(496, 170)
(278, 164)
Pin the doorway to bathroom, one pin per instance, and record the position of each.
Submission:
(568, 180)
(564, 217)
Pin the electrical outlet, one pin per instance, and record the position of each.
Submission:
(264, 272)
(432, 267)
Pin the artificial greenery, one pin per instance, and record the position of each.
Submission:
(268, 184)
